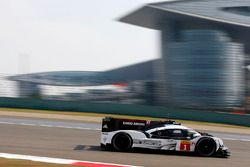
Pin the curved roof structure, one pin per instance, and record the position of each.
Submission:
(140, 71)
(197, 14)
(201, 9)
(66, 78)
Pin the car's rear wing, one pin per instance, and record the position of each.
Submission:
(112, 124)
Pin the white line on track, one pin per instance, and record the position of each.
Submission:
(96, 129)
(50, 126)
(227, 138)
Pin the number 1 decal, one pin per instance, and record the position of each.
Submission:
(185, 145)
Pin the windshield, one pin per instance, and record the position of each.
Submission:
(193, 133)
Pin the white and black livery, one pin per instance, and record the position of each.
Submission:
(125, 134)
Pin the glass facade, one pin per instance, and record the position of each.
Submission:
(241, 10)
(204, 69)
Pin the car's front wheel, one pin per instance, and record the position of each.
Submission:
(122, 142)
(206, 147)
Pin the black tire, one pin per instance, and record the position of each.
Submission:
(122, 142)
(206, 147)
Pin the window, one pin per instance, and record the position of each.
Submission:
(177, 133)
(242, 10)
(170, 134)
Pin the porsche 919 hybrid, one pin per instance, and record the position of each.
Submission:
(125, 134)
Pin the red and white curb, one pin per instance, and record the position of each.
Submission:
(61, 161)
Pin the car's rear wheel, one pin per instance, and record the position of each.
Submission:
(122, 142)
(206, 147)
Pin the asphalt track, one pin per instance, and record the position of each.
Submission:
(77, 140)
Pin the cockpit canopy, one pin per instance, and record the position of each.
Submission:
(172, 132)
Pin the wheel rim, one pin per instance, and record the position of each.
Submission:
(206, 147)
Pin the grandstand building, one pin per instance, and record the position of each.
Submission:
(205, 49)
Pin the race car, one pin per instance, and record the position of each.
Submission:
(125, 134)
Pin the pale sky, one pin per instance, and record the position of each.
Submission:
(62, 35)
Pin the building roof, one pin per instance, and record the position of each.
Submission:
(61, 78)
(136, 72)
(151, 15)
(233, 16)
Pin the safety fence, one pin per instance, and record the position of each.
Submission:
(128, 109)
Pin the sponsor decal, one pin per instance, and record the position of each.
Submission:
(105, 126)
(133, 123)
(135, 141)
(152, 142)
(104, 133)
(148, 142)
(170, 140)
